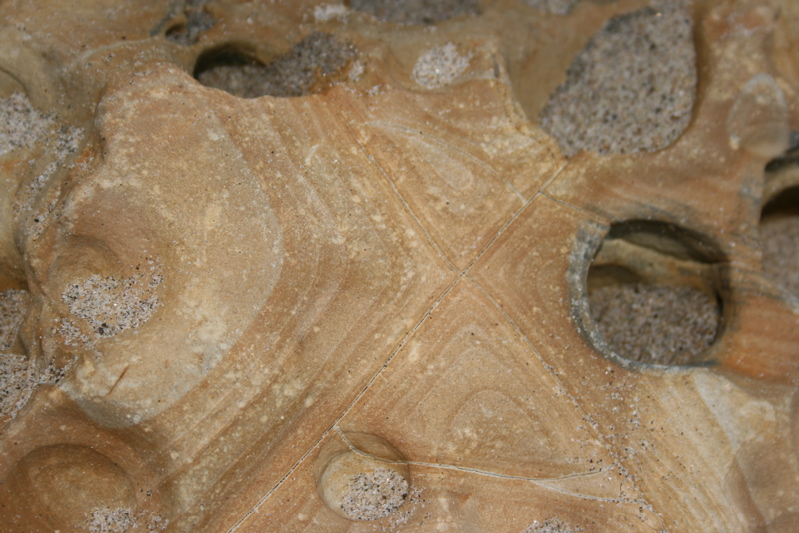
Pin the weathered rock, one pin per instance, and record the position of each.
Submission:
(360, 301)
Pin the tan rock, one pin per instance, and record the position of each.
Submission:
(356, 297)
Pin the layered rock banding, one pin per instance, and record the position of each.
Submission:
(322, 266)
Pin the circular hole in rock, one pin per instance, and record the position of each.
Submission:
(311, 65)
(416, 12)
(779, 239)
(216, 60)
(654, 295)
(365, 478)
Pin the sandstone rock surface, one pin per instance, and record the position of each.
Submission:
(318, 266)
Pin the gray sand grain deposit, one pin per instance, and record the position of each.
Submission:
(121, 520)
(13, 306)
(111, 306)
(20, 124)
(307, 67)
(552, 525)
(375, 494)
(779, 240)
(663, 325)
(416, 12)
(554, 7)
(631, 88)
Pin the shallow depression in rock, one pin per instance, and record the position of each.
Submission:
(364, 478)
(309, 67)
(653, 295)
(779, 239)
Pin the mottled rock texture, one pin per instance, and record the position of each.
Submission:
(314, 265)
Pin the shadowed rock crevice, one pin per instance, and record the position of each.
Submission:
(309, 67)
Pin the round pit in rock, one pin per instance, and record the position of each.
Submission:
(364, 479)
(311, 65)
(779, 219)
(779, 239)
(653, 294)
(61, 485)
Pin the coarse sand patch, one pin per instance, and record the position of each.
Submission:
(779, 241)
(15, 384)
(13, 306)
(664, 325)
(308, 67)
(631, 89)
(120, 520)
(376, 494)
(20, 124)
(416, 12)
(111, 306)
(552, 525)
(440, 66)
(18, 381)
